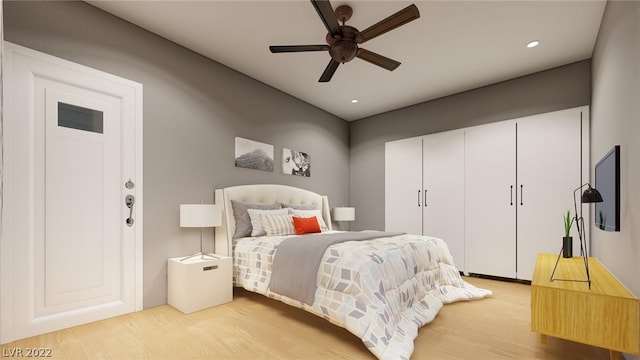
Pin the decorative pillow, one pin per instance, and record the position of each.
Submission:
(277, 224)
(309, 213)
(240, 214)
(256, 221)
(300, 207)
(306, 225)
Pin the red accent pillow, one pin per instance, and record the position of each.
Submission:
(306, 225)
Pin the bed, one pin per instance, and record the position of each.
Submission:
(382, 287)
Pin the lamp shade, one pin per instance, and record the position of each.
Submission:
(591, 195)
(344, 213)
(200, 215)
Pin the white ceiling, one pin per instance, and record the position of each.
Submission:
(454, 46)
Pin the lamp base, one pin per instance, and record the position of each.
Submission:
(203, 256)
(586, 267)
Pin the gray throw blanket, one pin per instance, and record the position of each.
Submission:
(296, 262)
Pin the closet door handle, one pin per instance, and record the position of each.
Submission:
(521, 194)
(418, 198)
(511, 195)
(425, 198)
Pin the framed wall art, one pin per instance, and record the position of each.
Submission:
(254, 155)
(296, 163)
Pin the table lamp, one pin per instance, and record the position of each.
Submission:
(200, 215)
(344, 213)
(590, 195)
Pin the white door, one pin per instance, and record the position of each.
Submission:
(549, 148)
(443, 190)
(403, 186)
(490, 199)
(72, 155)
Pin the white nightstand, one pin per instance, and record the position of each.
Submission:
(196, 283)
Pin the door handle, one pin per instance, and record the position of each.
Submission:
(521, 194)
(511, 195)
(418, 198)
(425, 198)
(129, 200)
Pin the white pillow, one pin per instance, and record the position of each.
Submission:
(278, 224)
(256, 221)
(310, 213)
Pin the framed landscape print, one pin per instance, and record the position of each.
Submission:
(254, 155)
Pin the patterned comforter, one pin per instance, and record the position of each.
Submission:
(382, 290)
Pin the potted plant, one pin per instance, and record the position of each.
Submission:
(567, 240)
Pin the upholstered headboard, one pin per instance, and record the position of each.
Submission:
(261, 194)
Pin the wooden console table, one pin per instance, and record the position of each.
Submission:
(607, 315)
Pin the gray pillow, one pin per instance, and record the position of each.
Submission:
(301, 207)
(243, 221)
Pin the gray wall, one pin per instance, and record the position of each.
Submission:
(193, 110)
(615, 120)
(559, 88)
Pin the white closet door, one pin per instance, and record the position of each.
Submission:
(443, 190)
(549, 147)
(403, 186)
(490, 198)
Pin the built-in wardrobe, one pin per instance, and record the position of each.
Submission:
(495, 193)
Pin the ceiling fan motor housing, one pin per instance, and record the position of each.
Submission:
(343, 48)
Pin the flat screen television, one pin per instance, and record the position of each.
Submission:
(607, 182)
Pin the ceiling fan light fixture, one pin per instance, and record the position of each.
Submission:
(532, 44)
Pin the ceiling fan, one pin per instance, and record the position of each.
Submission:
(342, 40)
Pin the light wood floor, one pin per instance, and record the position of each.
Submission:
(254, 327)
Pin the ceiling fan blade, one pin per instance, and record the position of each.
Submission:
(297, 48)
(377, 59)
(398, 19)
(327, 15)
(328, 72)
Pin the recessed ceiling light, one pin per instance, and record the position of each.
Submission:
(354, 101)
(533, 43)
